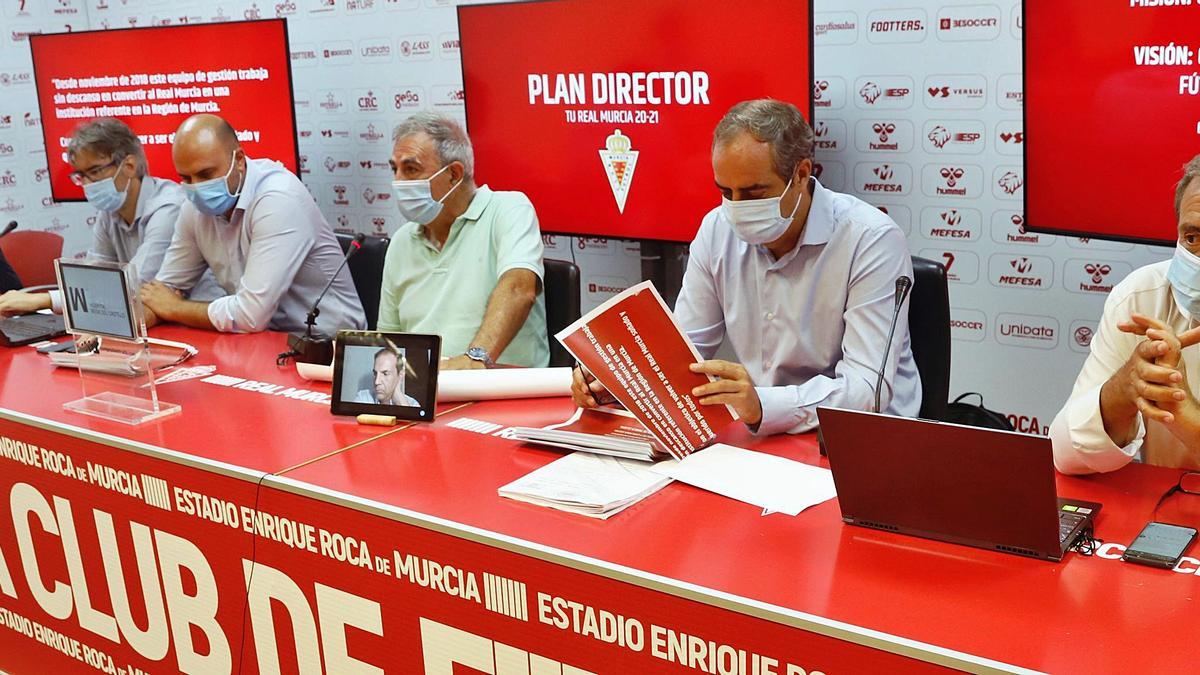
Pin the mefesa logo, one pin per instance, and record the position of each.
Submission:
(1032, 272)
(830, 136)
(891, 178)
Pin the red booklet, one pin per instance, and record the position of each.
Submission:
(603, 431)
(633, 345)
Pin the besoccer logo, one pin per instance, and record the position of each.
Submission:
(619, 160)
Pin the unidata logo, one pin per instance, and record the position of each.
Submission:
(890, 178)
(829, 92)
(1027, 330)
(897, 25)
(375, 50)
(885, 92)
(416, 47)
(1029, 272)
(971, 22)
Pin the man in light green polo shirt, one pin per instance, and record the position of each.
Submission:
(468, 263)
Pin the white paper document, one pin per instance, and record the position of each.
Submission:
(598, 486)
(773, 483)
(478, 385)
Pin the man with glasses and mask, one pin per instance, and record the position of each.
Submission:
(253, 223)
(799, 280)
(136, 212)
(468, 263)
(1134, 395)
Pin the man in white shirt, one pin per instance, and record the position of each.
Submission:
(1134, 394)
(253, 223)
(388, 376)
(136, 212)
(798, 279)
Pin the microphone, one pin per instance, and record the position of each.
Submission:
(306, 347)
(903, 286)
(12, 225)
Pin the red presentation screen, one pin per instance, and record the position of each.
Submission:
(602, 111)
(1110, 115)
(154, 78)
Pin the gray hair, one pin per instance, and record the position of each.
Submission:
(108, 137)
(449, 139)
(1190, 171)
(776, 123)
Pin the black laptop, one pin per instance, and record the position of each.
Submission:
(30, 328)
(966, 485)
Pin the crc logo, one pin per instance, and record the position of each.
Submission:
(1021, 265)
(252, 14)
(883, 172)
(951, 174)
(8, 179)
(1010, 182)
(368, 102)
(1098, 271)
(884, 130)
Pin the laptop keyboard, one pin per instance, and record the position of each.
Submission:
(31, 326)
(1067, 522)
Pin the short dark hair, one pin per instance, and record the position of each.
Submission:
(107, 137)
(1190, 171)
(776, 123)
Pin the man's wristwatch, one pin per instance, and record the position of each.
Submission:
(480, 354)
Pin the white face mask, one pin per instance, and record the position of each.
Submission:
(758, 221)
(415, 199)
(1184, 276)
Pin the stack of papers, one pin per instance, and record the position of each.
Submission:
(592, 485)
(122, 357)
(604, 431)
(773, 483)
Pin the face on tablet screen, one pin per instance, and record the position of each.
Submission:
(385, 374)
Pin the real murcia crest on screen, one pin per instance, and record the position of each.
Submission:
(619, 159)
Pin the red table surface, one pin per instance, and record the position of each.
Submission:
(1083, 614)
(245, 428)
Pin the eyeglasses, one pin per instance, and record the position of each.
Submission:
(93, 174)
(1189, 484)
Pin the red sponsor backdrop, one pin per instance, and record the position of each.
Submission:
(551, 148)
(154, 94)
(1107, 137)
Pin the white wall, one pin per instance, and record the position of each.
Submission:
(1020, 345)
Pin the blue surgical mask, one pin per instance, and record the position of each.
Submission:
(758, 221)
(415, 199)
(1184, 275)
(103, 194)
(212, 197)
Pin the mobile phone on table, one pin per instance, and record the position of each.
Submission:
(1160, 545)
